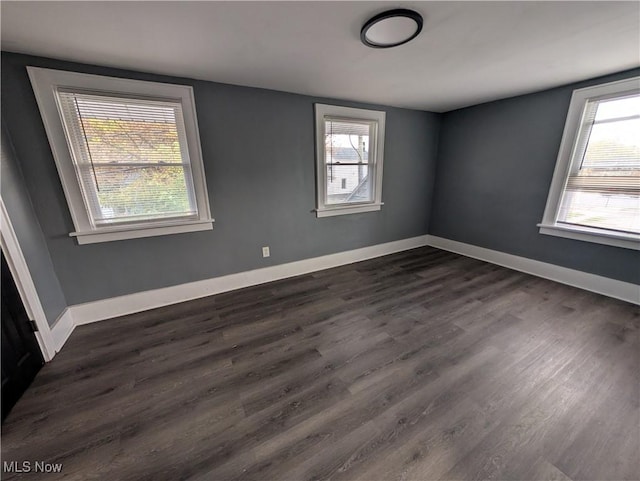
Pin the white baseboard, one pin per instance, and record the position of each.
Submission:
(62, 328)
(625, 291)
(142, 301)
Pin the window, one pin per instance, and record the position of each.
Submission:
(595, 191)
(349, 153)
(128, 154)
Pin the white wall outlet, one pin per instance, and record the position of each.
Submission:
(265, 251)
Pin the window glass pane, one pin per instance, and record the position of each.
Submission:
(605, 211)
(617, 108)
(126, 194)
(605, 191)
(348, 184)
(613, 145)
(346, 142)
(126, 132)
(131, 161)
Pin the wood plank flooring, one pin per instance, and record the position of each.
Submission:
(422, 365)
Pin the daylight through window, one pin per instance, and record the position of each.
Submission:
(129, 157)
(349, 158)
(602, 191)
(128, 154)
(595, 191)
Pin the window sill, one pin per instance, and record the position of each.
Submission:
(108, 234)
(347, 209)
(599, 236)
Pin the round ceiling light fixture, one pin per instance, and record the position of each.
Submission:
(391, 28)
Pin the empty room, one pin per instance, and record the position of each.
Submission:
(296, 241)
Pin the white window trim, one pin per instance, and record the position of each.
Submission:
(348, 113)
(549, 224)
(45, 83)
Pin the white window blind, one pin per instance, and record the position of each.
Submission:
(603, 185)
(131, 157)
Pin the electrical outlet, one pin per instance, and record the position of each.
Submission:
(265, 251)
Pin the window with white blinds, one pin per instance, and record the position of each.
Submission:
(349, 160)
(600, 193)
(128, 154)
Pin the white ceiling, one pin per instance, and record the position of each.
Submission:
(468, 52)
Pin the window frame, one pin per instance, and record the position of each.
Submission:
(376, 148)
(568, 161)
(46, 82)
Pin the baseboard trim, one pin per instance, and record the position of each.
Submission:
(141, 301)
(625, 291)
(62, 328)
(95, 311)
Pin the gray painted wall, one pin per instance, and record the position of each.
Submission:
(27, 228)
(258, 149)
(495, 164)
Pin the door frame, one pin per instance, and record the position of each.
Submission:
(24, 282)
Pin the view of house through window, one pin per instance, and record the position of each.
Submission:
(603, 186)
(349, 157)
(129, 157)
(348, 161)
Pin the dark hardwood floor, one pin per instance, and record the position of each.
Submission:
(422, 365)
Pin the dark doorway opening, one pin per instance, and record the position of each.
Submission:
(21, 355)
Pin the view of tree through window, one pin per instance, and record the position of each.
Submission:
(128, 156)
(348, 164)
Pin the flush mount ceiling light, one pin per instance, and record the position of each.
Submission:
(391, 28)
